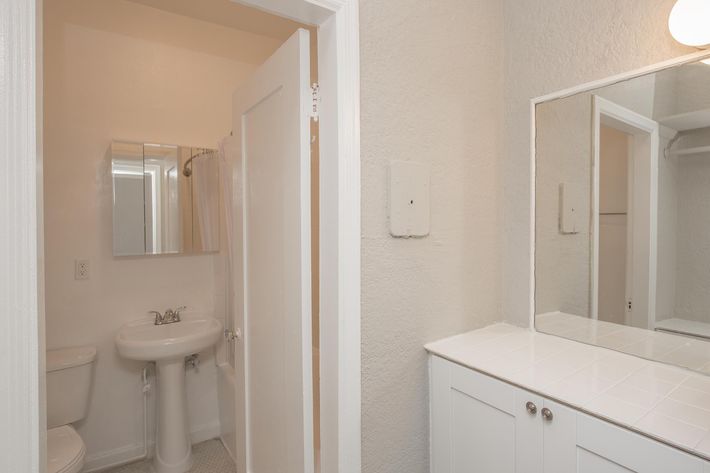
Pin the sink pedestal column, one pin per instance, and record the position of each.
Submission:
(173, 452)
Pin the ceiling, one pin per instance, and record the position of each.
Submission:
(230, 14)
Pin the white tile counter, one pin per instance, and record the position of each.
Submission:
(663, 402)
(657, 345)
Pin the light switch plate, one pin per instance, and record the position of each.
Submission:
(409, 212)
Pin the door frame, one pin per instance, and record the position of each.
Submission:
(587, 87)
(606, 112)
(22, 442)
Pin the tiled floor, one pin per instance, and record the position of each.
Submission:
(679, 350)
(209, 457)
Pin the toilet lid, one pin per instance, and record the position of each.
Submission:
(65, 450)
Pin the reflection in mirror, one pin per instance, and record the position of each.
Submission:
(163, 228)
(203, 175)
(622, 216)
(128, 218)
(165, 199)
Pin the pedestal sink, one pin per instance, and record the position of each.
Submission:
(168, 345)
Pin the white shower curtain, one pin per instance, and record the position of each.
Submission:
(205, 193)
(227, 157)
(226, 160)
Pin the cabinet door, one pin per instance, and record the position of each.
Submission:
(480, 424)
(606, 448)
(559, 435)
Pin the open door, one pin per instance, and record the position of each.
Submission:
(272, 234)
(636, 247)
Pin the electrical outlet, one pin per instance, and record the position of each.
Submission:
(81, 269)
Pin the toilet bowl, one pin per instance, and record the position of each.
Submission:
(69, 374)
(65, 450)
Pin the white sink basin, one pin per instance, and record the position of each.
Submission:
(143, 340)
(168, 345)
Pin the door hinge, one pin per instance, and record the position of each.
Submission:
(315, 96)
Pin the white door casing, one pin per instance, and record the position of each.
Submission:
(271, 124)
(642, 220)
(339, 242)
(22, 400)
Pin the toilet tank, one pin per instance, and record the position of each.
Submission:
(69, 374)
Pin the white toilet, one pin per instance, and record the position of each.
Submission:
(69, 374)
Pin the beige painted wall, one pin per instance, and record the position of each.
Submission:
(431, 92)
(119, 70)
(550, 45)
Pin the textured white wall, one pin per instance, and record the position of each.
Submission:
(564, 138)
(693, 231)
(550, 45)
(431, 92)
(118, 70)
(667, 232)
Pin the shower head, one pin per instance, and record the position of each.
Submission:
(187, 171)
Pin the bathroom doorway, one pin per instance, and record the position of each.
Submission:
(336, 26)
(624, 220)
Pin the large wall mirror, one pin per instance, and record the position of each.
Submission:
(622, 216)
(165, 199)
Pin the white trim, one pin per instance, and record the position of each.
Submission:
(533, 171)
(125, 454)
(21, 326)
(339, 80)
(589, 86)
(628, 121)
(113, 458)
(624, 76)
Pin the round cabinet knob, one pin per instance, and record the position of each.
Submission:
(546, 414)
(531, 407)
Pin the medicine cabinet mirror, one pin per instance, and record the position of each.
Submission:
(622, 215)
(165, 199)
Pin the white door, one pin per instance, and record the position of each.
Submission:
(480, 424)
(271, 124)
(606, 448)
(559, 434)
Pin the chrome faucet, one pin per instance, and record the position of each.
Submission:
(169, 317)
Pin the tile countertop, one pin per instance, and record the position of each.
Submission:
(657, 345)
(663, 402)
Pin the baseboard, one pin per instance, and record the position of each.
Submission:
(101, 461)
(112, 458)
(226, 443)
(205, 432)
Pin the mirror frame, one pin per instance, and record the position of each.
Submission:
(586, 87)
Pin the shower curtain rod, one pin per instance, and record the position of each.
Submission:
(188, 172)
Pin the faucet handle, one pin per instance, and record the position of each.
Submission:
(158, 316)
(177, 312)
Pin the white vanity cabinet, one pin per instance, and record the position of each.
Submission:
(482, 424)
